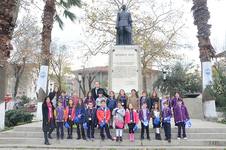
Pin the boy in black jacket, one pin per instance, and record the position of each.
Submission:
(90, 120)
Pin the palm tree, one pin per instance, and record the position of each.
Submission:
(50, 15)
(8, 16)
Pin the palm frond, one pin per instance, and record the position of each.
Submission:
(75, 3)
(64, 4)
(57, 18)
(69, 15)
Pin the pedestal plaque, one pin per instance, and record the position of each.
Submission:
(124, 70)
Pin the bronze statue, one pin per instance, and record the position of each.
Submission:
(124, 27)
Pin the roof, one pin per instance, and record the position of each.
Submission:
(221, 54)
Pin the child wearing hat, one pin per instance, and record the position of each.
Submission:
(59, 117)
(181, 115)
(144, 116)
(166, 115)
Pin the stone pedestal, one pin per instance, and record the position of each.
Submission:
(124, 71)
(195, 108)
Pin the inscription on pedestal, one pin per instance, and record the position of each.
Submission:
(124, 70)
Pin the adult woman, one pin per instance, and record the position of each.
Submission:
(54, 96)
(48, 123)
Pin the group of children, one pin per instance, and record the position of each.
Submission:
(124, 110)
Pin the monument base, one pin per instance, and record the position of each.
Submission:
(194, 107)
(210, 113)
(2, 116)
(124, 71)
(39, 111)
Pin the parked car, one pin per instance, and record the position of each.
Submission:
(26, 105)
(32, 106)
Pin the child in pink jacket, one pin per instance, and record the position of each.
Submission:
(131, 120)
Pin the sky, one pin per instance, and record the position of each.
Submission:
(72, 32)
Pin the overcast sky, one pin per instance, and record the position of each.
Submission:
(72, 31)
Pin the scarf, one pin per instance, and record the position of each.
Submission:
(50, 111)
(89, 112)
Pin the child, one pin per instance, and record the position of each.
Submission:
(119, 114)
(156, 112)
(48, 123)
(64, 98)
(103, 116)
(123, 98)
(75, 97)
(99, 99)
(174, 104)
(181, 115)
(80, 113)
(166, 123)
(144, 98)
(90, 120)
(59, 115)
(164, 99)
(134, 99)
(131, 119)
(144, 115)
(89, 98)
(69, 117)
(111, 104)
(154, 98)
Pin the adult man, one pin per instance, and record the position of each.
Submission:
(96, 89)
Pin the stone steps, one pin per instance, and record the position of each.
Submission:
(125, 135)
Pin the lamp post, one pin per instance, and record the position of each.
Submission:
(79, 79)
(164, 79)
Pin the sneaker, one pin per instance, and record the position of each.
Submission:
(185, 138)
(102, 139)
(169, 140)
(58, 138)
(111, 139)
(178, 138)
(87, 139)
(120, 139)
(92, 139)
(117, 139)
(141, 139)
(166, 139)
(62, 137)
(176, 127)
(149, 139)
(98, 127)
(110, 127)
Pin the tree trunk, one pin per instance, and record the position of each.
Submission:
(8, 16)
(49, 11)
(144, 78)
(201, 16)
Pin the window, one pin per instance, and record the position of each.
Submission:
(97, 77)
(104, 77)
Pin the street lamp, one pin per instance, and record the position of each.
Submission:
(164, 79)
(79, 79)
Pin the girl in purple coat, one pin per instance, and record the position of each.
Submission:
(144, 115)
(88, 99)
(181, 115)
(174, 104)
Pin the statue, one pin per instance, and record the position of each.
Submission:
(124, 27)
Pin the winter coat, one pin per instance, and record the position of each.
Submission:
(93, 116)
(95, 96)
(181, 115)
(135, 101)
(72, 113)
(86, 102)
(127, 117)
(166, 113)
(65, 103)
(59, 114)
(75, 99)
(98, 101)
(45, 114)
(153, 100)
(111, 104)
(124, 100)
(80, 112)
(162, 107)
(120, 115)
(141, 116)
(147, 100)
(154, 117)
(174, 102)
(100, 114)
